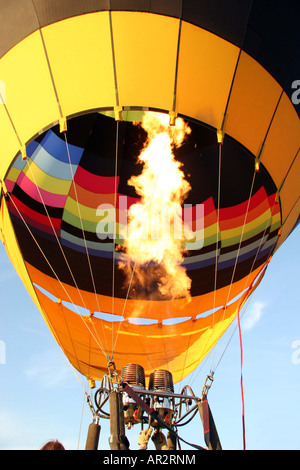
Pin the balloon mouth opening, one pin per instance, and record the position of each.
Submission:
(58, 190)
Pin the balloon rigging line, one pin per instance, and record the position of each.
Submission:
(230, 287)
(219, 174)
(259, 276)
(222, 351)
(86, 248)
(216, 258)
(134, 267)
(49, 264)
(54, 231)
(58, 241)
(115, 230)
(237, 255)
(80, 218)
(242, 386)
(52, 329)
(216, 265)
(81, 417)
(223, 123)
(243, 312)
(220, 153)
(132, 274)
(251, 269)
(61, 114)
(59, 281)
(221, 354)
(59, 244)
(218, 223)
(129, 286)
(217, 241)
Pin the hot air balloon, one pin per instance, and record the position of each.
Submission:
(77, 80)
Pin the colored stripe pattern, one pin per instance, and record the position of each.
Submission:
(68, 193)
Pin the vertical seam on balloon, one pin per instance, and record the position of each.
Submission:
(236, 67)
(83, 235)
(51, 74)
(259, 154)
(291, 211)
(258, 157)
(48, 61)
(176, 67)
(290, 167)
(230, 89)
(113, 58)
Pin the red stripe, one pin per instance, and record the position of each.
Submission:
(35, 216)
(240, 209)
(95, 183)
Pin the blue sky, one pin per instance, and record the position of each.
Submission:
(41, 397)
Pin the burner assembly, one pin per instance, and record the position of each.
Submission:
(132, 402)
(162, 381)
(134, 375)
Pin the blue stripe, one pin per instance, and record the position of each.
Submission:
(81, 249)
(31, 148)
(58, 149)
(53, 167)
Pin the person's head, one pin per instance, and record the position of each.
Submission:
(53, 445)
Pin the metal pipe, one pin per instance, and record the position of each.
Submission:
(92, 439)
(117, 438)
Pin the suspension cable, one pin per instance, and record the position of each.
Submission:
(237, 256)
(134, 267)
(54, 231)
(114, 234)
(56, 236)
(242, 387)
(85, 243)
(56, 276)
(259, 276)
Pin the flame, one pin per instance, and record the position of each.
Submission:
(153, 244)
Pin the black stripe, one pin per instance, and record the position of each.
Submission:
(202, 279)
(55, 212)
